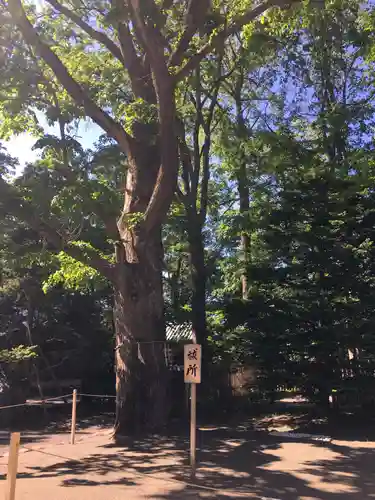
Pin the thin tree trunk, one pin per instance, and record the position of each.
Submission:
(198, 277)
(174, 284)
(243, 191)
(33, 362)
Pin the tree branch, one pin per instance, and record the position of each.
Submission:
(149, 37)
(167, 177)
(126, 53)
(224, 33)
(187, 168)
(196, 132)
(96, 35)
(195, 16)
(138, 73)
(166, 181)
(207, 125)
(13, 204)
(71, 176)
(147, 23)
(180, 196)
(105, 121)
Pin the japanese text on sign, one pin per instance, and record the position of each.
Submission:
(192, 363)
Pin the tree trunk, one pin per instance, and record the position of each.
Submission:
(34, 365)
(141, 373)
(198, 278)
(243, 191)
(175, 288)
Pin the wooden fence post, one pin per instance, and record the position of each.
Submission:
(14, 447)
(74, 417)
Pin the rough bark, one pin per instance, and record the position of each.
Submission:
(139, 307)
(141, 375)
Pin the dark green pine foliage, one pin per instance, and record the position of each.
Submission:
(313, 296)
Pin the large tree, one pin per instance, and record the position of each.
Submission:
(148, 48)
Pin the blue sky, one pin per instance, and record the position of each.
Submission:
(20, 146)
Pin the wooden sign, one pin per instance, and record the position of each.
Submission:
(192, 363)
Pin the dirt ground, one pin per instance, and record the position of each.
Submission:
(247, 460)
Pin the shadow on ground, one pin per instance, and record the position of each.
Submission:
(233, 462)
(37, 424)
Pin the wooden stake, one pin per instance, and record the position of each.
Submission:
(14, 447)
(193, 428)
(74, 417)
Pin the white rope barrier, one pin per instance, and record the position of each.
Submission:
(57, 397)
(14, 406)
(34, 403)
(65, 396)
(97, 395)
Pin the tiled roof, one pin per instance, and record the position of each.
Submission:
(179, 332)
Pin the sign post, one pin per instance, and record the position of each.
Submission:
(193, 428)
(192, 376)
